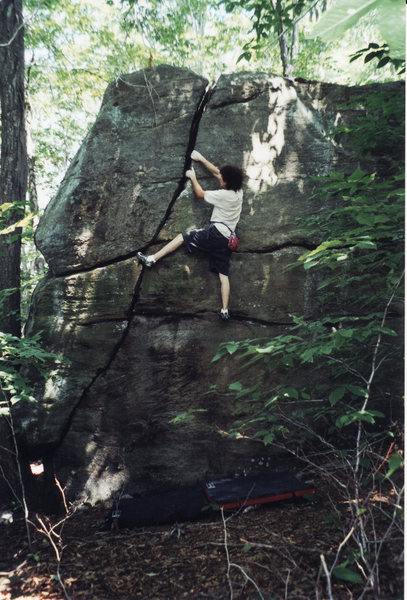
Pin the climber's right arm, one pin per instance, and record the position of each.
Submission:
(199, 191)
(195, 155)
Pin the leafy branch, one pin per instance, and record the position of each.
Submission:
(323, 387)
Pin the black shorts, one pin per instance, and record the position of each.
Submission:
(212, 242)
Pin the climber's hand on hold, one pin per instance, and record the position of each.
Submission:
(195, 184)
(195, 155)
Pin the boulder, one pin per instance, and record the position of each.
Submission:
(137, 344)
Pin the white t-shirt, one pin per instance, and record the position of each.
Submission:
(227, 206)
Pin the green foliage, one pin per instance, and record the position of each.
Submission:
(361, 258)
(343, 573)
(187, 416)
(345, 14)
(335, 360)
(395, 462)
(190, 33)
(324, 386)
(17, 224)
(381, 54)
(378, 131)
(16, 353)
(14, 224)
(12, 219)
(322, 55)
(272, 22)
(4, 294)
(69, 49)
(310, 54)
(362, 238)
(267, 19)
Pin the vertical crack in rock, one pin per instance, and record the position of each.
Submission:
(181, 186)
(187, 164)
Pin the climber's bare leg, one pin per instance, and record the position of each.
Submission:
(224, 290)
(170, 247)
(149, 261)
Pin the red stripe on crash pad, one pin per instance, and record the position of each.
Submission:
(265, 500)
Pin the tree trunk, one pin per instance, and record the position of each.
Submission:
(288, 52)
(294, 44)
(13, 173)
(282, 37)
(31, 178)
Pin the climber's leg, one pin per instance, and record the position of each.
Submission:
(149, 261)
(225, 295)
(170, 247)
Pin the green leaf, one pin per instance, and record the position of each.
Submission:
(346, 333)
(289, 392)
(270, 401)
(218, 356)
(391, 19)
(345, 574)
(19, 224)
(395, 462)
(245, 56)
(309, 355)
(232, 347)
(268, 438)
(383, 62)
(370, 56)
(357, 390)
(368, 416)
(358, 174)
(342, 15)
(186, 416)
(336, 395)
(236, 386)
(5, 206)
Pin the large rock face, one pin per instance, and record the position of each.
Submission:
(140, 343)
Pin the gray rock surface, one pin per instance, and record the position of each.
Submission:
(119, 186)
(139, 343)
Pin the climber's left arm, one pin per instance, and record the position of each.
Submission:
(199, 191)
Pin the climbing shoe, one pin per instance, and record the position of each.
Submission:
(224, 314)
(147, 261)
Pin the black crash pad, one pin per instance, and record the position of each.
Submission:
(178, 506)
(189, 504)
(247, 491)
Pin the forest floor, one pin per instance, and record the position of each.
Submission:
(271, 552)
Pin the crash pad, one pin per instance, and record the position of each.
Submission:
(246, 491)
(190, 504)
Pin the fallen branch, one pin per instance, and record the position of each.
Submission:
(54, 537)
(283, 545)
(231, 564)
(328, 576)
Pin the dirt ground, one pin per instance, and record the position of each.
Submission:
(271, 552)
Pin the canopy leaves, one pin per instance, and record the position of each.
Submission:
(345, 14)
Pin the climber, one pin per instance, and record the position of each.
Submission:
(227, 206)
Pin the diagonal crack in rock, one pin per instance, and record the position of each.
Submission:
(130, 313)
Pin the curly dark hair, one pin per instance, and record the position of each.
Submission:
(232, 176)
